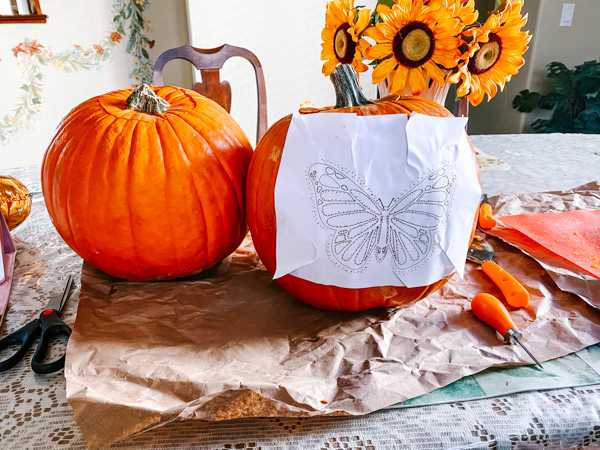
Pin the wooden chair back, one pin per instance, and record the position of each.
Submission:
(209, 62)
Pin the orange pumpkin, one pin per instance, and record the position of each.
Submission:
(148, 184)
(261, 202)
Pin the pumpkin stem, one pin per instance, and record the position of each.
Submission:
(144, 99)
(347, 90)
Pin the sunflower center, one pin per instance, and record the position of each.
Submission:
(414, 44)
(343, 45)
(485, 58)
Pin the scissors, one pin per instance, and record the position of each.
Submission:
(49, 326)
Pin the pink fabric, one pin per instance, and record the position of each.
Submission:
(8, 253)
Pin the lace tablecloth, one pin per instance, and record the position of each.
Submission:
(34, 412)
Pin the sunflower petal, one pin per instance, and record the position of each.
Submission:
(383, 69)
(379, 51)
(327, 35)
(416, 81)
(327, 52)
(434, 72)
(329, 66)
(364, 16)
(375, 34)
(359, 66)
(399, 79)
(362, 45)
(385, 12)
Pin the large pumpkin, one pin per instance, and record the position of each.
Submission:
(261, 202)
(150, 184)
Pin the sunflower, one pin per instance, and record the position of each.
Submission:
(414, 39)
(465, 11)
(494, 54)
(341, 36)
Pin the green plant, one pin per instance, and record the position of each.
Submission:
(575, 102)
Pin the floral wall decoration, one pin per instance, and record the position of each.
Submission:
(35, 58)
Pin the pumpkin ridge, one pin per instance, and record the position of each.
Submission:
(239, 190)
(182, 93)
(261, 171)
(66, 121)
(222, 213)
(205, 114)
(117, 189)
(193, 176)
(83, 147)
(128, 189)
(176, 255)
(69, 158)
(194, 180)
(106, 111)
(93, 155)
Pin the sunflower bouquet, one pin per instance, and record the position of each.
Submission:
(414, 44)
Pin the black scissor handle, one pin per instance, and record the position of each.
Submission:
(24, 337)
(52, 327)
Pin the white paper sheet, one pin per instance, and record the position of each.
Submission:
(366, 201)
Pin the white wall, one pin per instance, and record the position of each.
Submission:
(62, 86)
(286, 38)
(571, 45)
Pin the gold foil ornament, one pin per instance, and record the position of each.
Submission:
(15, 201)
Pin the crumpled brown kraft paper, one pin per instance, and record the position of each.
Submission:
(232, 343)
(566, 275)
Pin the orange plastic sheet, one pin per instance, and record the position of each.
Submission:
(573, 235)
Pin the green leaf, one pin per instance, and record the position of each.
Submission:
(592, 102)
(589, 87)
(24, 87)
(145, 53)
(587, 78)
(36, 101)
(562, 78)
(588, 121)
(526, 101)
(130, 44)
(389, 3)
(542, 126)
(551, 100)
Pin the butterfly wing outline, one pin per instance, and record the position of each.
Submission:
(347, 209)
(415, 218)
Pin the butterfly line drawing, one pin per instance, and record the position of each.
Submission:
(364, 226)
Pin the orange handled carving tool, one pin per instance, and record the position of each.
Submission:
(486, 217)
(480, 252)
(491, 311)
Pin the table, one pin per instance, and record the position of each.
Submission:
(34, 412)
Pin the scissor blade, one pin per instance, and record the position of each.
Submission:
(57, 303)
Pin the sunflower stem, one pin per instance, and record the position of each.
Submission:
(347, 90)
(144, 99)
